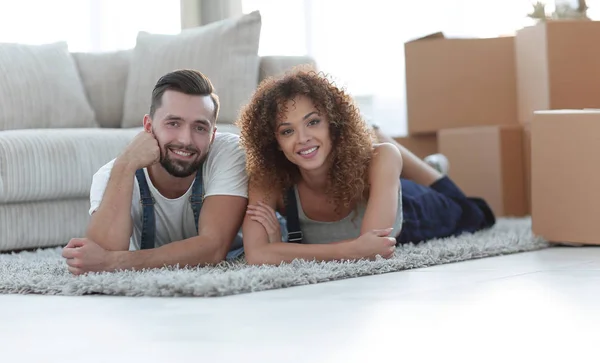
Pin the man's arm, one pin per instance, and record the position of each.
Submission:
(226, 198)
(111, 225)
(219, 221)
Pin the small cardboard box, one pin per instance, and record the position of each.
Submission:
(487, 162)
(420, 145)
(453, 83)
(558, 66)
(565, 155)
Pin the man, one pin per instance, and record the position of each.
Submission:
(176, 195)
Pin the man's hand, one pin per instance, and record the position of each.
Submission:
(84, 255)
(142, 151)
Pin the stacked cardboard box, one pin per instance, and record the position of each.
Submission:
(565, 152)
(478, 96)
(464, 92)
(459, 83)
(420, 145)
(558, 67)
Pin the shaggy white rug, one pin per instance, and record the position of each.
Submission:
(44, 271)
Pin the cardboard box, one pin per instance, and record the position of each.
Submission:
(452, 83)
(420, 145)
(487, 162)
(527, 163)
(565, 154)
(558, 66)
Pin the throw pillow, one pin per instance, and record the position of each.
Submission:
(104, 77)
(41, 88)
(225, 51)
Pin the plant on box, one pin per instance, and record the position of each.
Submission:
(562, 11)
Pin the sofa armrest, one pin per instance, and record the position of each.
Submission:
(271, 66)
(46, 164)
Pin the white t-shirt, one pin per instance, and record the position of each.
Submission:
(224, 173)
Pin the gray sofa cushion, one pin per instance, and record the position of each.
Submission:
(104, 77)
(42, 224)
(38, 165)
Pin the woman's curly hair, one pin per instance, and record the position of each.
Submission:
(351, 137)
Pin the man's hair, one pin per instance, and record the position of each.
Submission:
(188, 81)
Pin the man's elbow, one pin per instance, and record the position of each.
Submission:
(218, 253)
(217, 257)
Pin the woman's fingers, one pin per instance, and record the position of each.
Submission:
(262, 220)
(267, 219)
(271, 233)
(268, 207)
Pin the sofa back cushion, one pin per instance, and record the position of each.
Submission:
(225, 51)
(104, 77)
(41, 88)
(276, 65)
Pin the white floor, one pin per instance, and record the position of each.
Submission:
(540, 306)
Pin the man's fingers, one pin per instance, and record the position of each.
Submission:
(75, 270)
(74, 262)
(75, 242)
(69, 252)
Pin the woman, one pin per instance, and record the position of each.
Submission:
(311, 158)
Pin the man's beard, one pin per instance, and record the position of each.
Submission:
(180, 168)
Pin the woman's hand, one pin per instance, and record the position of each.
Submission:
(373, 243)
(266, 216)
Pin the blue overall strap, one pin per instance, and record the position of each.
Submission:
(197, 196)
(147, 202)
(291, 215)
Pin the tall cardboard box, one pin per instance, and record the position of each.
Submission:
(558, 66)
(527, 163)
(565, 176)
(487, 162)
(452, 83)
(420, 145)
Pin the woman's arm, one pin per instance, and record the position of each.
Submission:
(261, 249)
(384, 177)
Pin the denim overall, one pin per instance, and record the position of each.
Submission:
(196, 199)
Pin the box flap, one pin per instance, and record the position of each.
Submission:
(436, 35)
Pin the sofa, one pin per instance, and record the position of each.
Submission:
(65, 114)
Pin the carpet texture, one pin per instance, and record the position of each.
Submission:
(44, 271)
